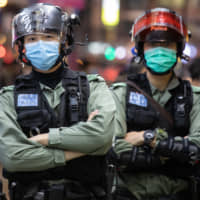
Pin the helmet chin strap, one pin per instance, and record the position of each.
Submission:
(67, 51)
(24, 59)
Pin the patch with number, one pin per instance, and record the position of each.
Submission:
(138, 99)
(27, 100)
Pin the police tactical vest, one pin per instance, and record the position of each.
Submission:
(36, 116)
(141, 115)
(33, 111)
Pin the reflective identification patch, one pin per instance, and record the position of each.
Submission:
(138, 99)
(24, 100)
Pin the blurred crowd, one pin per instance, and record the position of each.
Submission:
(89, 11)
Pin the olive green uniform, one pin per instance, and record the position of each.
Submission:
(196, 89)
(18, 153)
(151, 184)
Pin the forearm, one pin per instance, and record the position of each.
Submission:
(18, 153)
(70, 155)
(86, 137)
(40, 159)
(31, 158)
(136, 159)
(182, 149)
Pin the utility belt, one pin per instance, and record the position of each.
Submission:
(125, 194)
(63, 190)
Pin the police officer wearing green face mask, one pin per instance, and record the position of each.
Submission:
(53, 115)
(157, 140)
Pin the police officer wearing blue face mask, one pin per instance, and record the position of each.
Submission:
(42, 50)
(56, 124)
(157, 143)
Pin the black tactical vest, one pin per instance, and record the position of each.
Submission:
(141, 115)
(36, 116)
(33, 111)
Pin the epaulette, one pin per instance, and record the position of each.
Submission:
(6, 89)
(95, 77)
(117, 85)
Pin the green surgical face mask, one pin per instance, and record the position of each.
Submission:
(160, 59)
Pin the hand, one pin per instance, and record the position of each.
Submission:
(41, 138)
(153, 143)
(92, 115)
(70, 155)
(135, 137)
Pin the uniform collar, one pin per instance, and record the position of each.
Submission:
(164, 96)
(46, 87)
(173, 83)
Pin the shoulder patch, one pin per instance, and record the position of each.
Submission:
(117, 85)
(94, 77)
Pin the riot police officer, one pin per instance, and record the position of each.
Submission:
(157, 140)
(44, 117)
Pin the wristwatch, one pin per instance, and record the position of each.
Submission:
(149, 136)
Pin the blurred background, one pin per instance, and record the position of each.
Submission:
(106, 24)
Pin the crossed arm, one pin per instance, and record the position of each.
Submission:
(19, 153)
(69, 155)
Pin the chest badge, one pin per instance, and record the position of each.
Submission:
(137, 99)
(27, 100)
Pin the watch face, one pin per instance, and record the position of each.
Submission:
(148, 136)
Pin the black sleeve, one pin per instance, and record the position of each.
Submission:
(183, 151)
(135, 159)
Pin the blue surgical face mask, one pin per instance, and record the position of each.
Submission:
(160, 59)
(42, 54)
